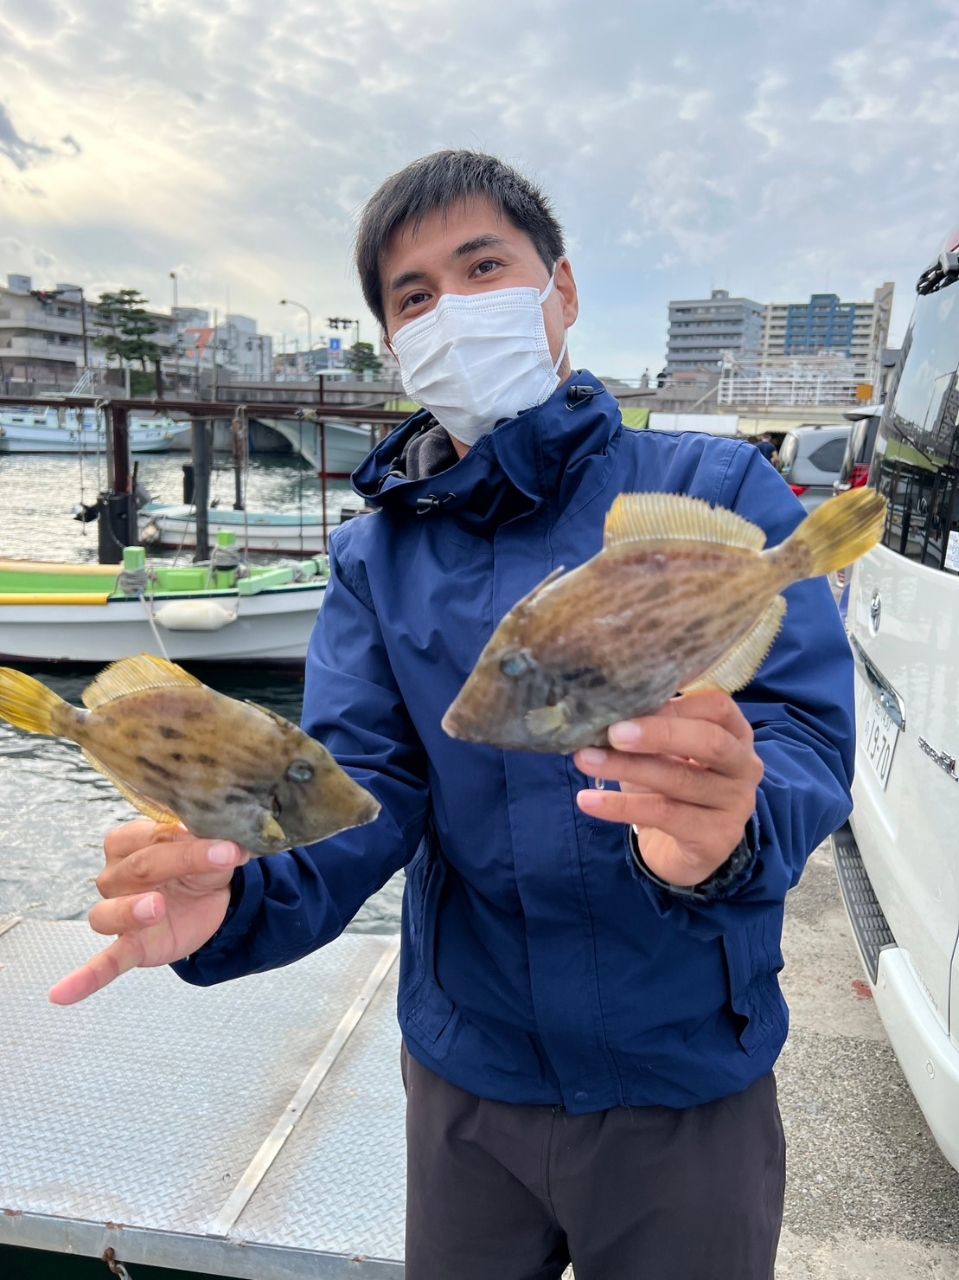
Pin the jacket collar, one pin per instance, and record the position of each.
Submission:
(539, 456)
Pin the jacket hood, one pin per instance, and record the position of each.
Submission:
(520, 464)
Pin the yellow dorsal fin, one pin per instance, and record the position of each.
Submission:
(641, 517)
(132, 675)
(737, 667)
(149, 808)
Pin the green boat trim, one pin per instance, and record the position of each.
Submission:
(39, 582)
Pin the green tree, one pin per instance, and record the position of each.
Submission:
(130, 328)
(361, 357)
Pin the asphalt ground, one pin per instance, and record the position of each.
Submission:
(868, 1194)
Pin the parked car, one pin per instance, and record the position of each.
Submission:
(853, 474)
(810, 458)
(898, 858)
(854, 468)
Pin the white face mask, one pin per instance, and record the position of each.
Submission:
(478, 358)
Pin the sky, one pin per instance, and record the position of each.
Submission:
(772, 149)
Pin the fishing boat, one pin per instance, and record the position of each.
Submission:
(60, 430)
(334, 447)
(163, 525)
(221, 611)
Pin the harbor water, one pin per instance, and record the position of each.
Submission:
(54, 808)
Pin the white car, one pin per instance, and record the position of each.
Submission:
(898, 859)
(810, 459)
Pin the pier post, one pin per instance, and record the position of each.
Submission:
(202, 463)
(118, 510)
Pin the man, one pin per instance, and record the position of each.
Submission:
(767, 447)
(588, 992)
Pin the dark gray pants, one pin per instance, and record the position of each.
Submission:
(497, 1191)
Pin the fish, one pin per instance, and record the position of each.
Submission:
(682, 597)
(180, 752)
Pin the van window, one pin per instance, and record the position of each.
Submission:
(828, 457)
(916, 464)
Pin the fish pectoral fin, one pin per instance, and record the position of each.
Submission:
(133, 675)
(271, 830)
(735, 669)
(655, 517)
(544, 720)
(149, 808)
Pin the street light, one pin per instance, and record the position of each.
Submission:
(288, 302)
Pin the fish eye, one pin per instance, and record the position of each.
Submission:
(300, 771)
(515, 664)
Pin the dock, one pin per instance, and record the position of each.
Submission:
(254, 1128)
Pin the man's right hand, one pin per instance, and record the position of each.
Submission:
(166, 895)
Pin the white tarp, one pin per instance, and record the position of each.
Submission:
(714, 424)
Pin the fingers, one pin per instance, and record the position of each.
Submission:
(122, 841)
(682, 821)
(721, 740)
(117, 959)
(679, 779)
(126, 915)
(704, 837)
(714, 705)
(201, 864)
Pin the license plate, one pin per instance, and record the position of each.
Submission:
(878, 738)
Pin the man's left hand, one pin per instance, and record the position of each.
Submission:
(688, 777)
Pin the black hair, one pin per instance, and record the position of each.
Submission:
(436, 182)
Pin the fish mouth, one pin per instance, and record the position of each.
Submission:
(369, 811)
(458, 725)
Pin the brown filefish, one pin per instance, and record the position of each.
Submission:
(180, 752)
(682, 597)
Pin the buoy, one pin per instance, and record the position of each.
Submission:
(194, 615)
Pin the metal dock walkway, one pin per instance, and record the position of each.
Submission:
(250, 1129)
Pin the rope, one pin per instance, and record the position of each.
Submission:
(240, 441)
(133, 582)
(148, 610)
(300, 487)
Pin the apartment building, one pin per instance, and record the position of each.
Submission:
(826, 324)
(47, 336)
(703, 332)
(233, 344)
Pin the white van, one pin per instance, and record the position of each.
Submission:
(898, 859)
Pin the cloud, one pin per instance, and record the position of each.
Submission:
(683, 145)
(15, 148)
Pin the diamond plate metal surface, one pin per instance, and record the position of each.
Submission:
(145, 1104)
(339, 1182)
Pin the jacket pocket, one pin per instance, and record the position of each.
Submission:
(426, 1009)
(748, 982)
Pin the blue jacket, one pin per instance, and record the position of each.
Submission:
(539, 963)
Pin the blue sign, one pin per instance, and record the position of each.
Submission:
(335, 344)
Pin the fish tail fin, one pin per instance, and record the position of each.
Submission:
(837, 533)
(30, 705)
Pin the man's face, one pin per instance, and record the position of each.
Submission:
(470, 248)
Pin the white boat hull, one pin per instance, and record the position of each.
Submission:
(177, 528)
(78, 431)
(270, 627)
(347, 443)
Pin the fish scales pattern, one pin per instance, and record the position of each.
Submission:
(682, 596)
(181, 752)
